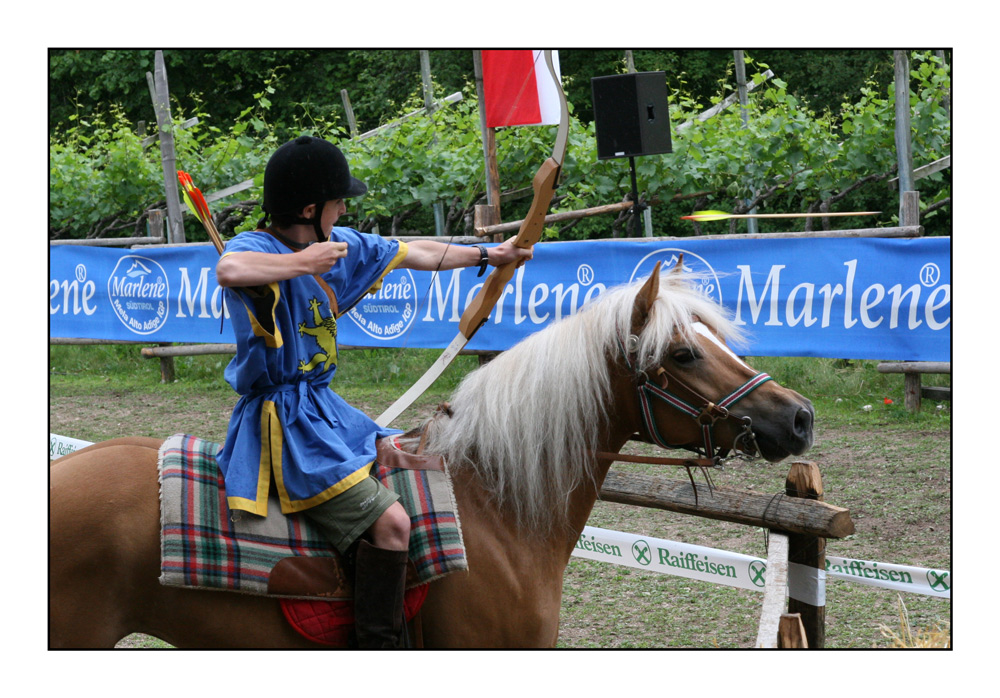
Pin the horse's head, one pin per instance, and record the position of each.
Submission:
(694, 392)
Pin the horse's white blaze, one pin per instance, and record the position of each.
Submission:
(701, 329)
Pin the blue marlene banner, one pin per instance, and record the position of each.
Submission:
(864, 298)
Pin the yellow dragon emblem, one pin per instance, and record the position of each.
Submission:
(325, 332)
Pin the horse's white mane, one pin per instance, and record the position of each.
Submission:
(529, 421)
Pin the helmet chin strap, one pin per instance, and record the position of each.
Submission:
(317, 222)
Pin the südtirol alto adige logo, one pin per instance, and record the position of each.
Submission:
(139, 294)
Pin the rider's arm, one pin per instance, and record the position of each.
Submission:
(242, 269)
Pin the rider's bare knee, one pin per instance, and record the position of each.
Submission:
(392, 529)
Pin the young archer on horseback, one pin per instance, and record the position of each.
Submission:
(286, 285)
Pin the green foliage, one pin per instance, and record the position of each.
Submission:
(98, 172)
(782, 154)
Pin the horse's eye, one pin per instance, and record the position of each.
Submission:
(684, 356)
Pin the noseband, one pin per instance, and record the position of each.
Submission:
(706, 415)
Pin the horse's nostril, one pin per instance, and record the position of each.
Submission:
(803, 422)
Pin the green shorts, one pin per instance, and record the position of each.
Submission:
(345, 517)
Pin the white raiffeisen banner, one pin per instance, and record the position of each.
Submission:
(858, 298)
(746, 571)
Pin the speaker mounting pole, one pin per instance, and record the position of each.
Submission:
(637, 206)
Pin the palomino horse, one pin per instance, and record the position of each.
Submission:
(521, 438)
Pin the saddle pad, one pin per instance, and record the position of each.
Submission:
(204, 545)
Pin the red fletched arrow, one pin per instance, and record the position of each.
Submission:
(195, 201)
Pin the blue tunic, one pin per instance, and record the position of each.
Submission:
(288, 421)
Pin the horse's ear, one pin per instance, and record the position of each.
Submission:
(644, 300)
(679, 267)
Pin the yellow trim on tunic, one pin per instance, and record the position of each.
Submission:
(289, 507)
(271, 442)
(274, 341)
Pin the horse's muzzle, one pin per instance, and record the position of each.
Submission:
(802, 426)
(788, 435)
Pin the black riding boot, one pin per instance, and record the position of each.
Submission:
(380, 582)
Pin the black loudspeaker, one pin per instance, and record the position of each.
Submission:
(630, 114)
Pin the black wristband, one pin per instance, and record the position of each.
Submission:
(484, 260)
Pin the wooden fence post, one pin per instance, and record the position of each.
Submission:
(804, 480)
(489, 153)
(164, 125)
(791, 633)
(909, 208)
(909, 214)
(904, 151)
(741, 86)
(167, 371)
(352, 123)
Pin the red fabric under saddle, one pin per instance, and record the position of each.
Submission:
(331, 622)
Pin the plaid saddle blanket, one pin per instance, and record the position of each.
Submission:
(204, 545)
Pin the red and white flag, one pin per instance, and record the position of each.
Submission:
(518, 90)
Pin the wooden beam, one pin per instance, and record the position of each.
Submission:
(514, 226)
(914, 367)
(110, 242)
(921, 172)
(450, 99)
(168, 373)
(725, 504)
(223, 193)
(164, 351)
(488, 214)
(912, 370)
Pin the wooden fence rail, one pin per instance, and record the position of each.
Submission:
(790, 514)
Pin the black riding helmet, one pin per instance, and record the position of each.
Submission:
(306, 171)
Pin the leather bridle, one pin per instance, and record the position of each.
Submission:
(705, 412)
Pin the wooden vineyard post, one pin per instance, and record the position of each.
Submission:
(804, 481)
(164, 124)
(484, 218)
(167, 372)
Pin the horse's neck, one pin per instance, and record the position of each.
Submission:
(582, 502)
(623, 418)
(560, 542)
